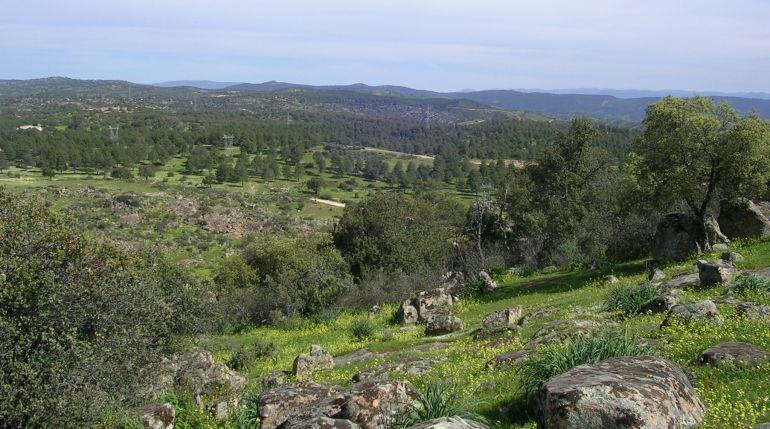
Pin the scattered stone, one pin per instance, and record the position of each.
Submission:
(663, 302)
(489, 284)
(754, 311)
(318, 360)
(327, 423)
(684, 281)
(743, 219)
(455, 422)
(732, 257)
(156, 416)
(677, 237)
(499, 321)
(356, 356)
(440, 324)
(412, 367)
(453, 282)
(221, 409)
(726, 299)
(701, 310)
(734, 352)
(610, 280)
(374, 310)
(508, 358)
(130, 219)
(719, 247)
(559, 330)
(624, 392)
(367, 404)
(543, 312)
(714, 273)
(656, 275)
(425, 304)
(276, 378)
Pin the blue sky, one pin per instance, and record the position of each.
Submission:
(431, 44)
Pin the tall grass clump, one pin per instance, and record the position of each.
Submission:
(749, 284)
(434, 401)
(362, 329)
(630, 299)
(560, 358)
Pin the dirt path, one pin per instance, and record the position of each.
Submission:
(328, 202)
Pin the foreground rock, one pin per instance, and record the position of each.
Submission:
(714, 273)
(195, 370)
(425, 304)
(305, 365)
(743, 219)
(733, 352)
(455, 422)
(441, 324)
(156, 416)
(626, 392)
(368, 405)
(697, 311)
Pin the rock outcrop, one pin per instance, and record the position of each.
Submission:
(743, 219)
(626, 392)
(499, 321)
(368, 405)
(197, 371)
(425, 304)
(733, 352)
(705, 311)
(440, 324)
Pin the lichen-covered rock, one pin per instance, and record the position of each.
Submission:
(412, 367)
(195, 370)
(369, 404)
(425, 304)
(627, 392)
(440, 324)
(754, 311)
(156, 416)
(731, 257)
(508, 358)
(325, 423)
(488, 284)
(307, 364)
(499, 321)
(714, 273)
(559, 330)
(702, 310)
(734, 352)
(454, 422)
(684, 281)
(656, 275)
(743, 219)
(610, 280)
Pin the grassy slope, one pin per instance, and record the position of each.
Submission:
(734, 396)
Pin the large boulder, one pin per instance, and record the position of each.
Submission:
(677, 237)
(733, 352)
(714, 273)
(193, 370)
(743, 219)
(454, 422)
(369, 404)
(425, 304)
(305, 365)
(440, 324)
(627, 392)
(705, 311)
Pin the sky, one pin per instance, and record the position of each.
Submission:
(440, 45)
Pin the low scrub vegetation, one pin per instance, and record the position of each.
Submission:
(630, 299)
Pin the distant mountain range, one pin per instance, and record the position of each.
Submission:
(386, 100)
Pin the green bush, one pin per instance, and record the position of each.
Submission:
(362, 329)
(435, 401)
(631, 298)
(80, 319)
(560, 358)
(749, 284)
(247, 355)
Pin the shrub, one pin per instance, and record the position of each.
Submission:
(435, 401)
(80, 318)
(362, 329)
(560, 358)
(749, 284)
(631, 299)
(247, 355)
